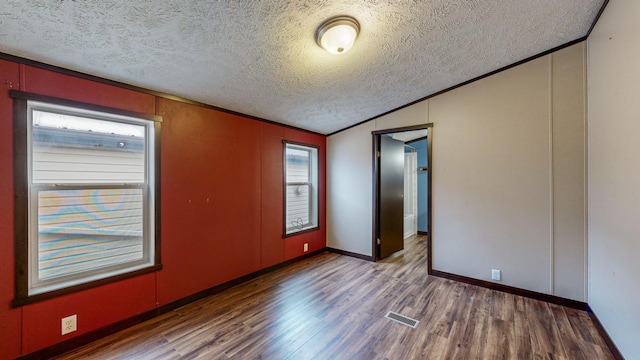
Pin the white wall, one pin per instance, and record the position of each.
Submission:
(614, 174)
(508, 176)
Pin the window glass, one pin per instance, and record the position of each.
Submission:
(70, 149)
(88, 229)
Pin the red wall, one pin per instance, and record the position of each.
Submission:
(221, 188)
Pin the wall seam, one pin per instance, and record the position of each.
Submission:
(551, 185)
(21, 86)
(585, 99)
(261, 200)
(156, 105)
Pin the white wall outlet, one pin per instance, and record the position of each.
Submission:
(306, 247)
(69, 324)
(495, 274)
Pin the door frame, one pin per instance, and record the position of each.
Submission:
(376, 188)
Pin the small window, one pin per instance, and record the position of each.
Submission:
(301, 188)
(91, 197)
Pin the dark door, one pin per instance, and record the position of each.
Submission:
(391, 196)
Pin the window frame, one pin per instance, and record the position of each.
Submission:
(24, 200)
(313, 183)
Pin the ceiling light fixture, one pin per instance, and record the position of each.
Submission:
(338, 34)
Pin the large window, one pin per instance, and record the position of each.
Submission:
(301, 187)
(89, 210)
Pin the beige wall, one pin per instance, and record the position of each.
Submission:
(508, 176)
(614, 174)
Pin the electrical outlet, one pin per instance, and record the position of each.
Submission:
(306, 247)
(69, 324)
(495, 274)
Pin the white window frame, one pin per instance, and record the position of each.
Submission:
(30, 287)
(312, 224)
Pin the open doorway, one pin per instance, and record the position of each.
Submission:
(402, 188)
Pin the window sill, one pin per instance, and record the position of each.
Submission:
(303, 231)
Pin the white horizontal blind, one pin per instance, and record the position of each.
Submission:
(298, 188)
(84, 230)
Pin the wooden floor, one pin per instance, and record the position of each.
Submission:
(333, 306)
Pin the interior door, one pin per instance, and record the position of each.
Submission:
(391, 192)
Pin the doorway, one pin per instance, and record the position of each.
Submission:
(402, 168)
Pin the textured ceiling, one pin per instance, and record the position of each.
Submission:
(260, 57)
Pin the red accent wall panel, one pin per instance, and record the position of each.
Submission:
(10, 319)
(211, 221)
(304, 137)
(50, 83)
(95, 308)
(272, 195)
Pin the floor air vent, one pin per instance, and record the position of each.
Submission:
(402, 319)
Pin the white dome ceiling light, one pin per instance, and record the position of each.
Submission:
(338, 34)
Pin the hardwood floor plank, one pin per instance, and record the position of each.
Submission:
(545, 336)
(431, 346)
(576, 346)
(582, 326)
(501, 336)
(522, 332)
(332, 306)
(285, 346)
(503, 306)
